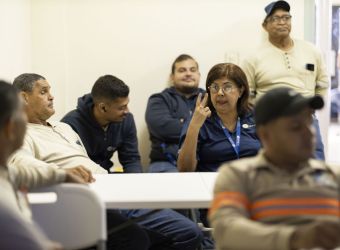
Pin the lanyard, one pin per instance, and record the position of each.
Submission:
(236, 146)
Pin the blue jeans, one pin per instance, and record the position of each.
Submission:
(319, 151)
(162, 167)
(168, 229)
(132, 237)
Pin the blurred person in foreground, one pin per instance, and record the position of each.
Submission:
(282, 198)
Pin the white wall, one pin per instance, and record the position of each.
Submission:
(76, 41)
(323, 41)
(15, 38)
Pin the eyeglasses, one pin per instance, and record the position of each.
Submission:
(277, 19)
(227, 88)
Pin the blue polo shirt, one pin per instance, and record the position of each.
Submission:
(213, 146)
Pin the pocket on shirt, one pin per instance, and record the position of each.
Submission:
(309, 79)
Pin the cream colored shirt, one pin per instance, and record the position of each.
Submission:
(57, 146)
(14, 184)
(270, 67)
(15, 181)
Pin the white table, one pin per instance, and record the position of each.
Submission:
(155, 190)
(209, 179)
(152, 190)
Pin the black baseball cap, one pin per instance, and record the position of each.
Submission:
(270, 8)
(280, 102)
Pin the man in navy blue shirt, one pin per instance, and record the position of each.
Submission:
(167, 111)
(104, 124)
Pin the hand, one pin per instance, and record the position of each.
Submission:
(79, 172)
(52, 245)
(201, 111)
(323, 235)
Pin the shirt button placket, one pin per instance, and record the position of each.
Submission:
(287, 61)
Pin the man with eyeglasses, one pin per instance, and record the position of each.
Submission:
(285, 62)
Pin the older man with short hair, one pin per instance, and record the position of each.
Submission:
(17, 228)
(282, 61)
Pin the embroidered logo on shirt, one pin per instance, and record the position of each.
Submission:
(245, 125)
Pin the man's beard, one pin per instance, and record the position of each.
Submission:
(187, 90)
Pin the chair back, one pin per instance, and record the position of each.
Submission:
(76, 218)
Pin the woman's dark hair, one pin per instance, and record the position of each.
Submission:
(234, 73)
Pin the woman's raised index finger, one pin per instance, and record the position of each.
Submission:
(198, 100)
(205, 100)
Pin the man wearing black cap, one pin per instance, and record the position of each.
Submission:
(281, 198)
(285, 62)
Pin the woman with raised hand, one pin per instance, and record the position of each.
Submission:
(222, 127)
